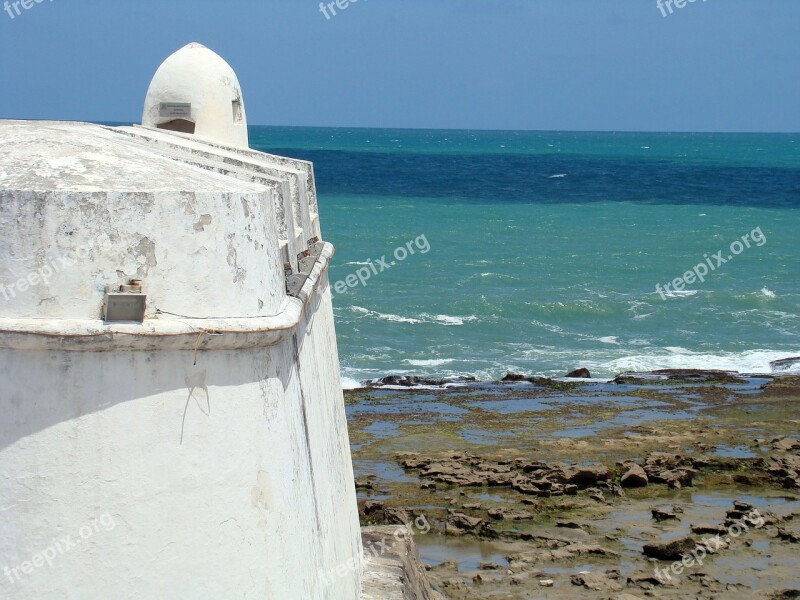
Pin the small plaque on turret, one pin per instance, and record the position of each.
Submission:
(175, 110)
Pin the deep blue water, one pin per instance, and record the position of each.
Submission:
(541, 251)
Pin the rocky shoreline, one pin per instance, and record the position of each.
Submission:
(657, 376)
(540, 488)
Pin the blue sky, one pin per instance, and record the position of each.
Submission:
(718, 65)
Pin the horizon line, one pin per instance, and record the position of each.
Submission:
(481, 129)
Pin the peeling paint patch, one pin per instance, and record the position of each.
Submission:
(145, 254)
(241, 274)
(261, 494)
(187, 203)
(231, 250)
(201, 224)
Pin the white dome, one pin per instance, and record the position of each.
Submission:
(196, 91)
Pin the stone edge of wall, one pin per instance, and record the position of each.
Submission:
(395, 572)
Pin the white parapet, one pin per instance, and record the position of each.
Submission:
(202, 453)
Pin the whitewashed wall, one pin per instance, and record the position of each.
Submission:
(208, 458)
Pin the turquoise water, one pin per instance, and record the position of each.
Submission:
(540, 252)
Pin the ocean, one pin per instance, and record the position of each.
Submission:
(483, 252)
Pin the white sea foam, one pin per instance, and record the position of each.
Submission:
(547, 326)
(383, 316)
(498, 276)
(350, 384)
(609, 339)
(396, 318)
(680, 293)
(448, 320)
(767, 292)
(433, 362)
(753, 361)
(596, 293)
(601, 367)
(422, 387)
(558, 176)
(423, 318)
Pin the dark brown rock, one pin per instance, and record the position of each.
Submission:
(634, 478)
(670, 550)
(677, 479)
(786, 445)
(500, 479)
(596, 581)
(396, 516)
(363, 483)
(568, 524)
(589, 475)
(709, 529)
(582, 373)
(513, 377)
(530, 490)
(598, 497)
(464, 522)
(415, 463)
(663, 514)
(793, 537)
(370, 506)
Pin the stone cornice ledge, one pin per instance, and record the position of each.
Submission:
(171, 333)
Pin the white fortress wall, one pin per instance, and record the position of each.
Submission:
(213, 439)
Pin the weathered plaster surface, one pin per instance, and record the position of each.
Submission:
(216, 440)
(296, 202)
(225, 478)
(123, 212)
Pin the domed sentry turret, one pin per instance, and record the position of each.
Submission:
(195, 91)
